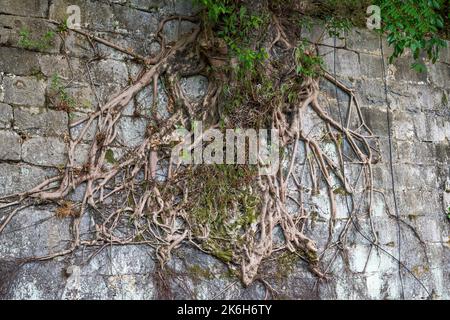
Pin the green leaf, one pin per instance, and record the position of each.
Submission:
(419, 67)
(109, 156)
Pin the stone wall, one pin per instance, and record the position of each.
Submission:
(33, 146)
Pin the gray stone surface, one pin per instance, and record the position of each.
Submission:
(6, 116)
(44, 151)
(45, 234)
(111, 72)
(18, 62)
(21, 177)
(194, 87)
(10, 148)
(33, 8)
(43, 122)
(24, 91)
(51, 65)
(131, 131)
(347, 62)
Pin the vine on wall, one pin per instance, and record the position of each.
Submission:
(262, 74)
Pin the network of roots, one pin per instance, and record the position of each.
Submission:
(228, 211)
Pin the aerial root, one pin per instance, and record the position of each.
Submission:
(156, 212)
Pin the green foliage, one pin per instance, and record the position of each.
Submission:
(414, 25)
(63, 27)
(109, 157)
(43, 43)
(66, 102)
(225, 206)
(307, 63)
(234, 25)
(417, 25)
(448, 212)
(338, 27)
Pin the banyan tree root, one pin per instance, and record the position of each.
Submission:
(161, 210)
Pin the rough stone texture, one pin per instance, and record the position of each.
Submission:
(45, 235)
(6, 116)
(21, 177)
(33, 8)
(10, 145)
(41, 151)
(18, 62)
(131, 131)
(24, 91)
(33, 144)
(194, 87)
(40, 122)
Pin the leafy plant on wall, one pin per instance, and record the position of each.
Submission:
(414, 25)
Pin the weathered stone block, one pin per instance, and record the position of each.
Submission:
(185, 8)
(43, 236)
(194, 87)
(382, 178)
(6, 116)
(83, 97)
(10, 148)
(362, 258)
(18, 61)
(415, 177)
(147, 5)
(94, 14)
(139, 44)
(371, 66)
(415, 152)
(76, 45)
(44, 151)
(418, 202)
(144, 101)
(438, 130)
(134, 21)
(439, 74)
(81, 154)
(24, 91)
(41, 122)
(174, 30)
(38, 280)
(125, 260)
(445, 54)
(363, 40)
(427, 228)
(21, 177)
(131, 131)
(110, 72)
(77, 130)
(101, 16)
(347, 62)
(403, 71)
(31, 8)
(371, 92)
(403, 126)
(442, 152)
(51, 65)
(376, 120)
